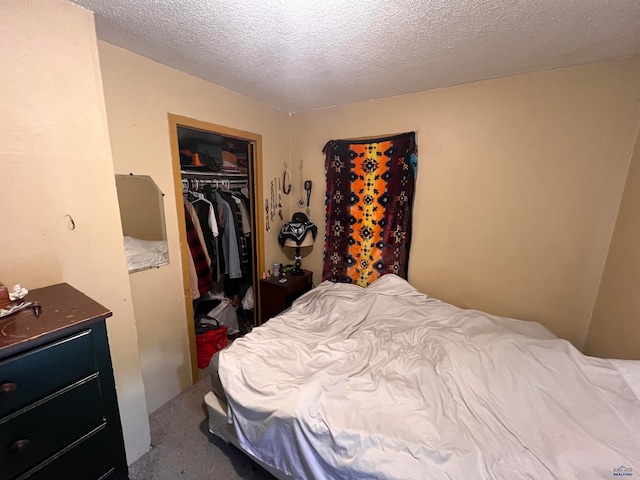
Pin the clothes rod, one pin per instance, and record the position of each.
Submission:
(213, 181)
(197, 183)
(221, 175)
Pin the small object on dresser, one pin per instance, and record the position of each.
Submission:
(14, 307)
(37, 309)
(17, 293)
(4, 296)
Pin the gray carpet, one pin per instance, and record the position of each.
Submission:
(182, 447)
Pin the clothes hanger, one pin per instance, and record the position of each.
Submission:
(188, 195)
(199, 195)
(226, 185)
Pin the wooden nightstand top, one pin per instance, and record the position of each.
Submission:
(291, 279)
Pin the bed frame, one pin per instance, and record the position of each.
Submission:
(221, 428)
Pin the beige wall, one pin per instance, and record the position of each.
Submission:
(55, 161)
(615, 327)
(139, 94)
(518, 187)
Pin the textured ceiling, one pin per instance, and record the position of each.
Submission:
(305, 54)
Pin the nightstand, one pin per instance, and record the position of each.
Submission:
(276, 296)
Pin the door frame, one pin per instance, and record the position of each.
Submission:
(257, 220)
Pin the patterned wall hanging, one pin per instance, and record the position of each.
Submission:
(370, 185)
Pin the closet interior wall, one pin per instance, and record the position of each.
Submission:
(216, 185)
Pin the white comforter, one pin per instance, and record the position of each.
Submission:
(385, 382)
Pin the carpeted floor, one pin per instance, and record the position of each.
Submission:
(182, 447)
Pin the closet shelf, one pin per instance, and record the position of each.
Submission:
(222, 175)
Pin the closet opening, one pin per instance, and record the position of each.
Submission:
(217, 172)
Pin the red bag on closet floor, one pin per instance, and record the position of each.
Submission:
(209, 343)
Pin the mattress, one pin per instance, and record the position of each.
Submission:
(385, 382)
(216, 384)
(220, 427)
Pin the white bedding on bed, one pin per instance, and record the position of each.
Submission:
(385, 382)
(143, 254)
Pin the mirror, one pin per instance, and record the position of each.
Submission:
(143, 224)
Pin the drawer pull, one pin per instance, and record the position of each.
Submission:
(20, 445)
(8, 387)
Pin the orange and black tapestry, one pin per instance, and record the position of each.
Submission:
(370, 185)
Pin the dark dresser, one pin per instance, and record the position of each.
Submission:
(277, 295)
(59, 415)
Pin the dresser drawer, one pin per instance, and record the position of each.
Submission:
(35, 374)
(32, 435)
(80, 461)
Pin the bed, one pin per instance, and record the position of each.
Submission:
(385, 382)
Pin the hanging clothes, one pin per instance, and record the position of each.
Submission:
(202, 267)
(193, 277)
(229, 237)
(244, 251)
(220, 266)
(198, 227)
(201, 202)
(223, 225)
(209, 226)
(246, 219)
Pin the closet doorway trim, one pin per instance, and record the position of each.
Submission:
(257, 221)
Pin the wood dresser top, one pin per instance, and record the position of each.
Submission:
(62, 308)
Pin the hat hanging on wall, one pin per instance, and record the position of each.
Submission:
(299, 232)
